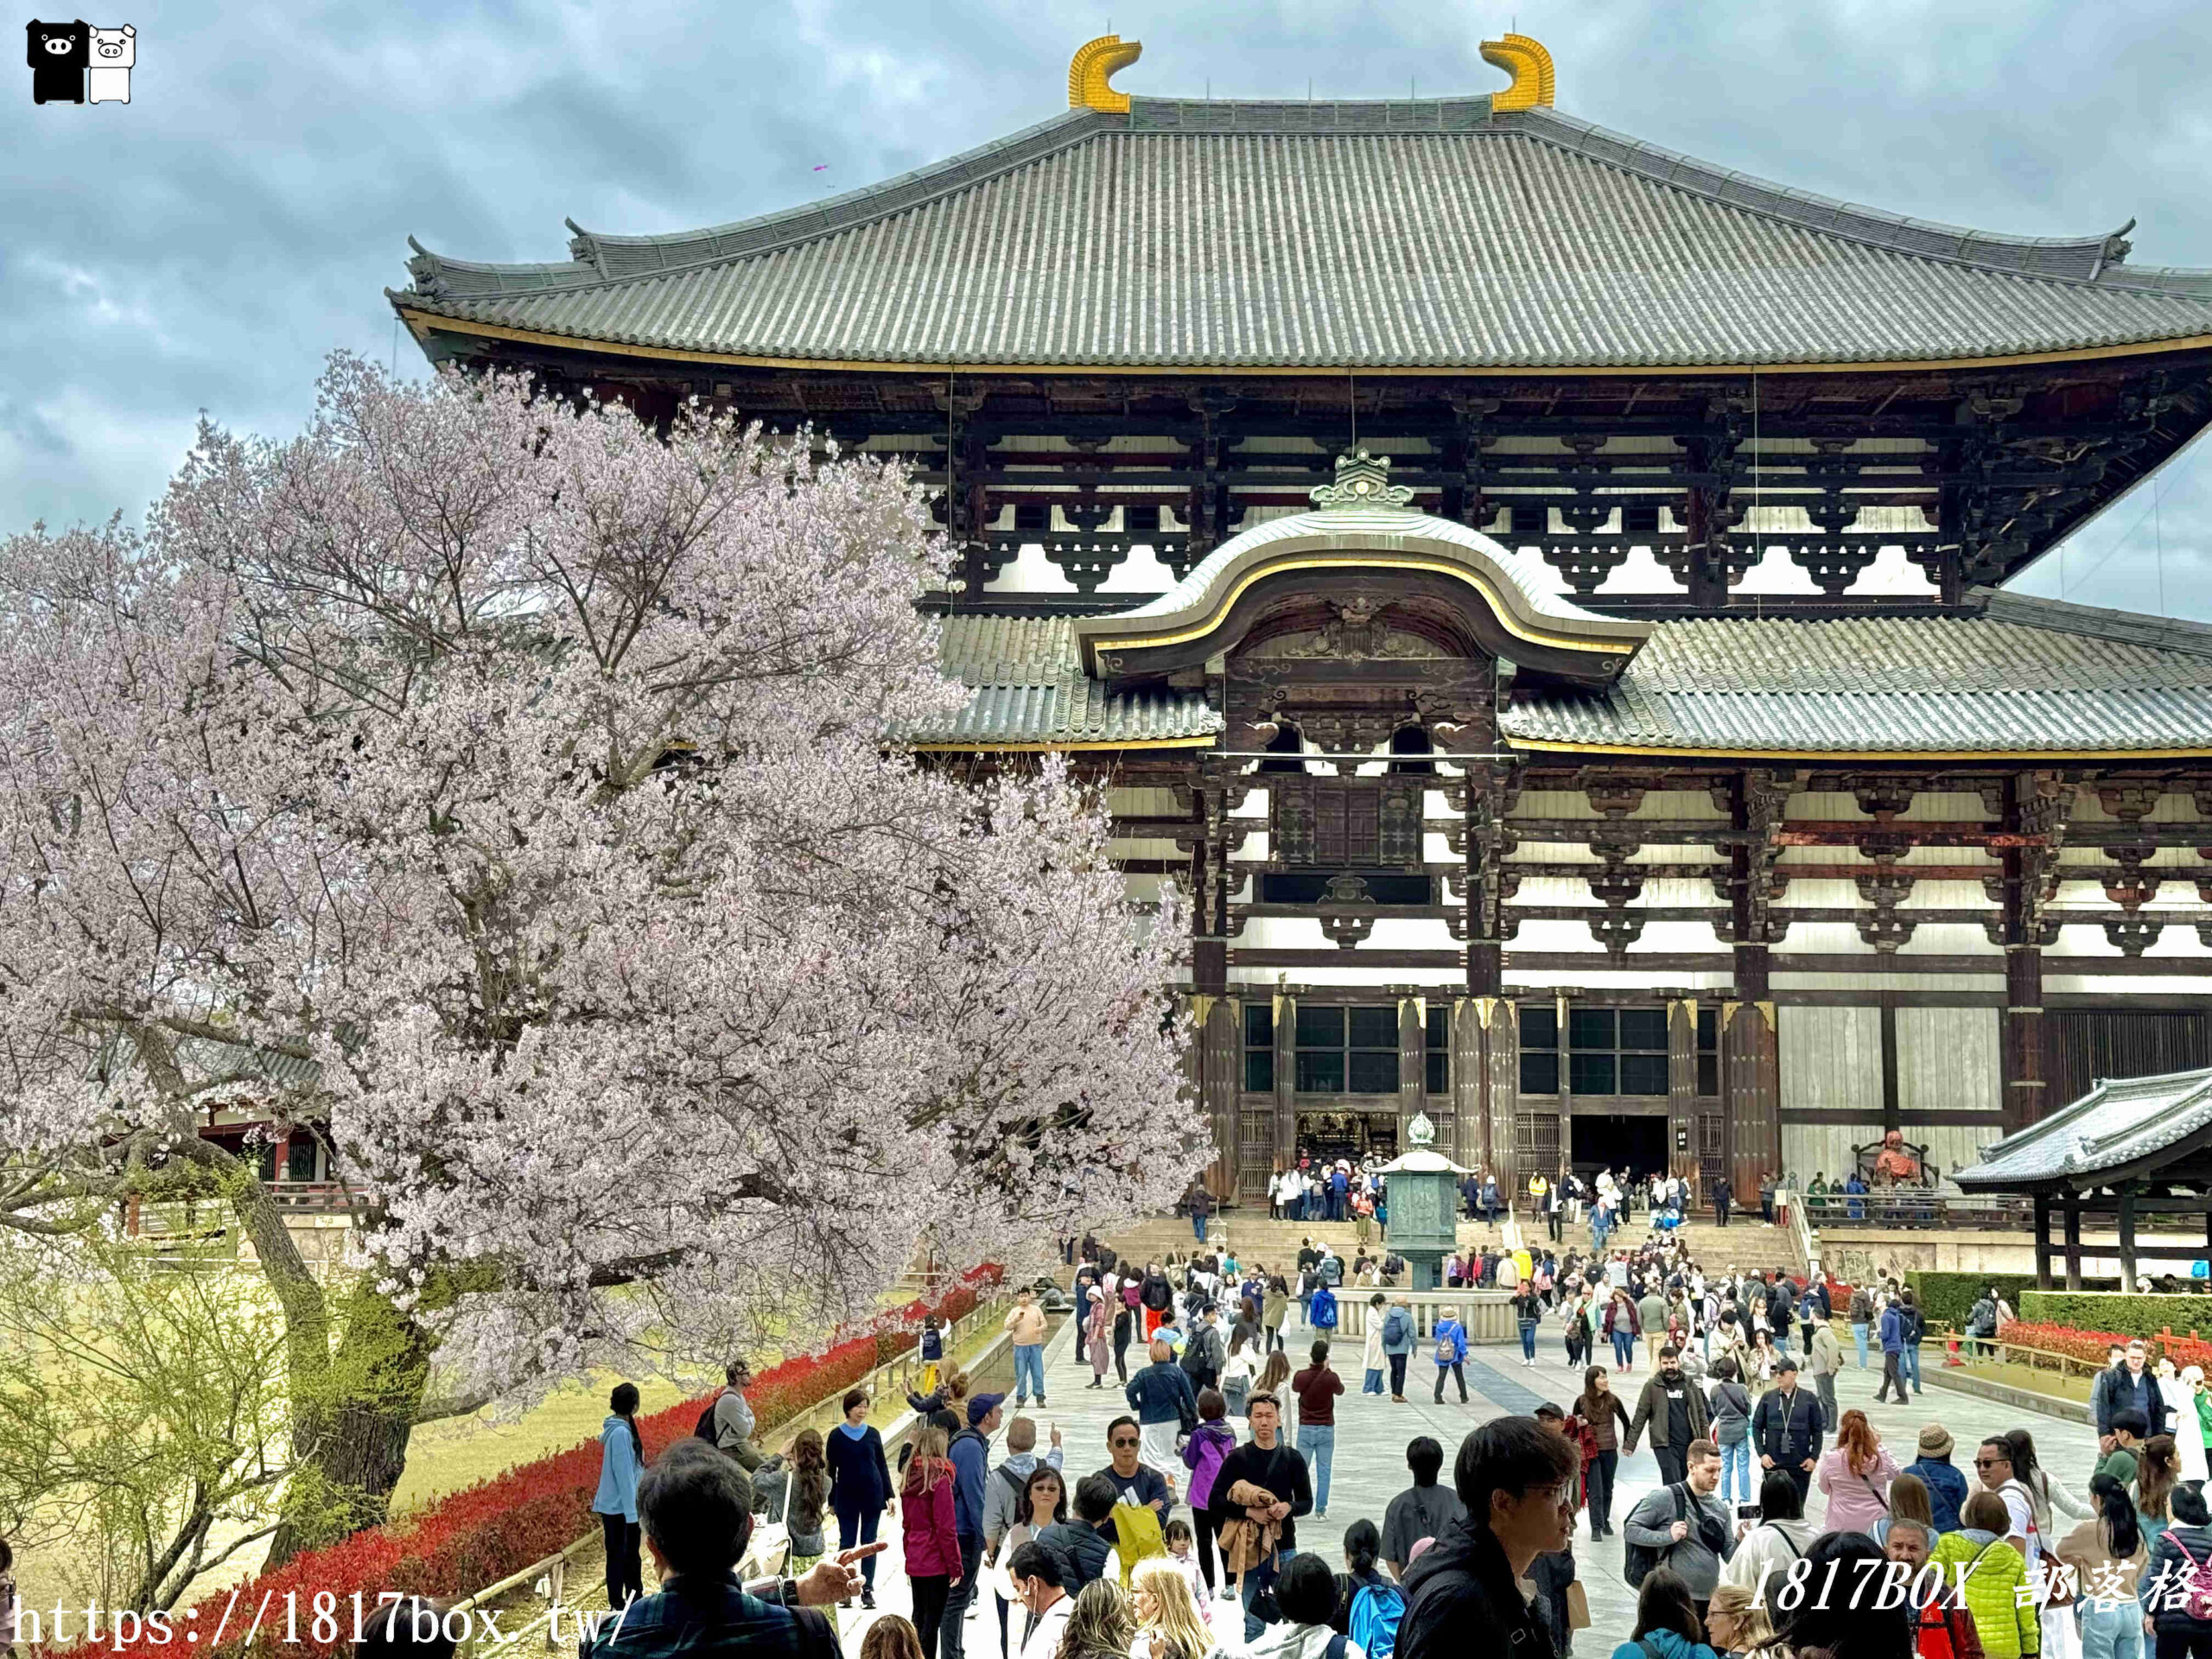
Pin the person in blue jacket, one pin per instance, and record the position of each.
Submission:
(969, 1452)
(622, 1460)
(1666, 1621)
(1450, 1338)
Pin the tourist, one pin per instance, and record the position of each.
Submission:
(1946, 1487)
(694, 1505)
(2158, 1472)
(890, 1637)
(1723, 1196)
(1384, 1602)
(1238, 1372)
(1424, 1509)
(859, 1483)
(1893, 1340)
(1165, 1403)
(1041, 1504)
(1915, 1327)
(1677, 1412)
(1823, 1360)
(1274, 1308)
(806, 1493)
(932, 1541)
(1602, 1412)
(1987, 1571)
(1083, 1548)
(1134, 1477)
(1274, 1379)
(1528, 1313)
(1909, 1500)
(1038, 1586)
(2047, 1498)
(1513, 1478)
(968, 1452)
(734, 1420)
(1685, 1526)
(1098, 1335)
(2107, 1556)
(1155, 1295)
(1100, 1624)
(1306, 1595)
(1621, 1325)
(1205, 1352)
(1669, 1623)
(1372, 1363)
(1171, 1622)
(1786, 1427)
(1782, 1535)
(2176, 1555)
(1862, 1321)
(1734, 1624)
(1317, 1388)
(1399, 1339)
(622, 1460)
(407, 1628)
(1855, 1476)
(2129, 1430)
(1730, 1405)
(1264, 1464)
(1204, 1452)
(1577, 1331)
(1845, 1626)
(1006, 1494)
(1652, 1321)
(1199, 1203)
(1945, 1627)
(1449, 1338)
(1183, 1558)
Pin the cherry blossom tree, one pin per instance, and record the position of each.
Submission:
(510, 796)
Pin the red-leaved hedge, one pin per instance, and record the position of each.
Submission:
(2094, 1346)
(483, 1534)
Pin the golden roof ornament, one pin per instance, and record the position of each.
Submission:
(1095, 63)
(1529, 65)
(1362, 483)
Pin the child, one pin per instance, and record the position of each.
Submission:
(932, 1349)
(890, 1637)
(1180, 1545)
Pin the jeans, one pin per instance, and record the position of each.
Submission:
(2111, 1632)
(1891, 1379)
(1602, 1469)
(1316, 1444)
(1911, 1357)
(1397, 1374)
(958, 1599)
(1457, 1375)
(1260, 1578)
(1623, 1349)
(625, 1574)
(1859, 1336)
(1736, 1473)
(858, 1527)
(1672, 1464)
(1528, 1342)
(1372, 1384)
(1824, 1389)
(1198, 1228)
(1029, 1373)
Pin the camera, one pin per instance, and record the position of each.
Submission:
(1747, 1511)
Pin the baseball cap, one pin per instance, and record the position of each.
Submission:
(982, 1405)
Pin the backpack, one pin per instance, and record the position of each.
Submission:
(2196, 1588)
(1640, 1558)
(704, 1429)
(1447, 1351)
(1323, 1313)
(1394, 1327)
(1376, 1611)
(1332, 1271)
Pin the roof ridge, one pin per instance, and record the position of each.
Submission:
(2094, 622)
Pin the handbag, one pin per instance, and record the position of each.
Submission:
(1578, 1606)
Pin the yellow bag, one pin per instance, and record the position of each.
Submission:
(1136, 1536)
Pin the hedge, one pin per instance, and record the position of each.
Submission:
(1947, 1298)
(2092, 1346)
(2109, 1310)
(488, 1531)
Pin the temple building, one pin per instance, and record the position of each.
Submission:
(1541, 594)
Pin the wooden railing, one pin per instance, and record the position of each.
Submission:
(1916, 1208)
(2014, 1353)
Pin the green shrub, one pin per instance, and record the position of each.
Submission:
(2109, 1310)
(1946, 1298)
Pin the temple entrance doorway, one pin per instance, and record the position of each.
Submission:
(1619, 1142)
(1362, 1137)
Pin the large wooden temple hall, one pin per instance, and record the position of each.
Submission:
(1542, 594)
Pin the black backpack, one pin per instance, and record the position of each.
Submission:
(705, 1429)
(1640, 1558)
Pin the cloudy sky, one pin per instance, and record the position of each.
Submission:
(204, 247)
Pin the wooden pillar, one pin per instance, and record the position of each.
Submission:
(1286, 1079)
(1751, 1082)
(1502, 1051)
(1413, 1055)
(1681, 1089)
(2043, 1241)
(2025, 808)
(1221, 1045)
(2127, 1238)
(1893, 1109)
(1471, 1100)
(2071, 1202)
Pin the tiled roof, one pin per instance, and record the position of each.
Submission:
(1028, 688)
(2117, 1123)
(2027, 677)
(1430, 233)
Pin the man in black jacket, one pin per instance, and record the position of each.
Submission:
(1273, 1467)
(1722, 1194)
(1517, 1481)
(2128, 1386)
(1786, 1427)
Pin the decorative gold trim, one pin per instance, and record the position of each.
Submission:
(1473, 578)
(1095, 63)
(1689, 753)
(422, 322)
(1529, 65)
(1202, 742)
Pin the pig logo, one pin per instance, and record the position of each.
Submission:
(113, 52)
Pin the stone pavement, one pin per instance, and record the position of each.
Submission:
(1368, 1467)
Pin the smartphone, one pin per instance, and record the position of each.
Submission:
(1747, 1511)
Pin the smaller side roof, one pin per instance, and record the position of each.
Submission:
(2121, 1127)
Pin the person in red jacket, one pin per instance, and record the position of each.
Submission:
(932, 1544)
